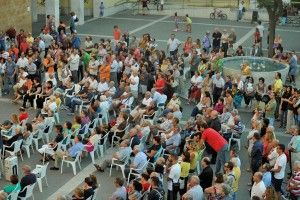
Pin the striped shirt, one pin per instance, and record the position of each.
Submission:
(296, 179)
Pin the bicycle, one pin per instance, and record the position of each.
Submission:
(218, 14)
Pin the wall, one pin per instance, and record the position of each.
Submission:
(15, 14)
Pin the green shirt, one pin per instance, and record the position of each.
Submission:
(9, 188)
(86, 59)
(271, 108)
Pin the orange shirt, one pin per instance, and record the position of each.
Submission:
(117, 34)
(28, 84)
(104, 72)
(49, 63)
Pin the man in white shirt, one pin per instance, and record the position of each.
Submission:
(172, 45)
(74, 64)
(134, 83)
(102, 86)
(114, 68)
(279, 169)
(173, 176)
(22, 61)
(240, 11)
(258, 188)
(218, 85)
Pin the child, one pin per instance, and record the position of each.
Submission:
(176, 20)
(188, 21)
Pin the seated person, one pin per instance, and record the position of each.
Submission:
(13, 186)
(173, 101)
(123, 153)
(23, 115)
(48, 150)
(70, 154)
(28, 179)
(166, 123)
(155, 147)
(88, 189)
(124, 101)
(137, 114)
(119, 126)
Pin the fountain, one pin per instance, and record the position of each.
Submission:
(255, 66)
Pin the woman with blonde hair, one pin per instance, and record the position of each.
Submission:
(270, 194)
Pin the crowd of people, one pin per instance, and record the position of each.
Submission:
(131, 87)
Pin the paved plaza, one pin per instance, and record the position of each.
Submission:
(160, 28)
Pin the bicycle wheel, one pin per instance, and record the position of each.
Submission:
(212, 16)
(224, 17)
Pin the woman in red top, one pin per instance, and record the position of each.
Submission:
(160, 83)
(23, 114)
(187, 48)
(256, 36)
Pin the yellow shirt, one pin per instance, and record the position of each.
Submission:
(185, 168)
(237, 174)
(193, 162)
(277, 85)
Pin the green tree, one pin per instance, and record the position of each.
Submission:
(274, 9)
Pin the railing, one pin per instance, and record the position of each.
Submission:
(204, 3)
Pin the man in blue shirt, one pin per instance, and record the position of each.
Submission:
(70, 154)
(139, 161)
(10, 71)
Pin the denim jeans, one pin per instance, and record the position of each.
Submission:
(75, 101)
(222, 158)
(271, 119)
(8, 80)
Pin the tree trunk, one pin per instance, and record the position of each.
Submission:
(272, 27)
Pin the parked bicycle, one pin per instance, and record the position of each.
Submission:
(218, 14)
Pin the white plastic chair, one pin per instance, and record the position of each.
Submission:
(13, 195)
(115, 139)
(16, 148)
(102, 147)
(28, 144)
(65, 142)
(38, 135)
(41, 171)
(135, 172)
(104, 117)
(73, 163)
(238, 140)
(93, 124)
(48, 131)
(23, 123)
(121, 164)
(29, 192)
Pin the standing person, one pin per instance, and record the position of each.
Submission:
(194, 188)
(270, 109)
(241, 10)
(173, 45)
(256, 153)
(294, 182)
(144, 5)
(261, 30)
(188, 25)
(216, 40)
(176, 21)
(218, 85)
(74, 61)
(101, 9)
(293, 67)
(216, 141)
(206, 42)
(258, 188)
(207, 174)
(117, 35)
(224, 42)
(173, 177)
(73, 21)
(279, 169)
